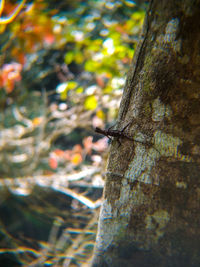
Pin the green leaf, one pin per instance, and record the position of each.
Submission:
(69, 57)
(63, 95)
(63, 88)
(71, 85)
(79, 90)
(91, 65)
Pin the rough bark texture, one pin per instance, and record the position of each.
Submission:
(150, 214)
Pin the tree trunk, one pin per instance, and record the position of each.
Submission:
(151, 210)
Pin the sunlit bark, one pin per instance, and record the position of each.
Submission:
(150, 213)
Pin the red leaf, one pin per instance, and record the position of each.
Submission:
(53, 163)
(49, 38)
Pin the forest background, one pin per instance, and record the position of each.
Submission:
(63, 66)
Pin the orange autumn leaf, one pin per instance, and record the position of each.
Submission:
(9, 86)
(126, 60)
(53, 163)
(1, 80)
(77, 148)
(67, 154)
(10, 74)
(21, 58)
(37, 121)
(120, 29)
(100, 81)
(87, 142)
(76, 159)
(59, 152)
(49, 38)
(18, 55)
(48, 172)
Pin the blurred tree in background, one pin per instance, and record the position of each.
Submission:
(62, 71)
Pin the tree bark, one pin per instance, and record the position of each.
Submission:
(150, 213)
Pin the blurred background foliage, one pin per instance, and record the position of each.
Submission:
(62, 70)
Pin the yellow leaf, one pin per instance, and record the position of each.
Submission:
(90, 102)
(79, 90)
(71, 85)
(69, 57)
(76, 159)
(37, 121)
(63, 95)
(100, 114)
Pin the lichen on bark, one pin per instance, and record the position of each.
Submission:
(152, 193)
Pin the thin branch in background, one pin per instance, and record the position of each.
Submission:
(13, 15)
